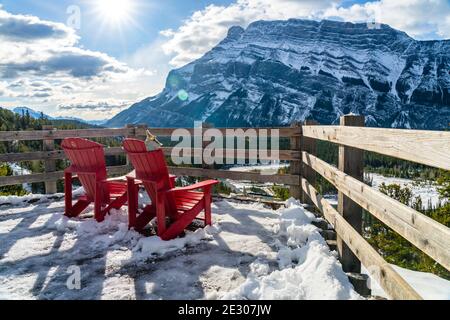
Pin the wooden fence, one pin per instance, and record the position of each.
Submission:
(49, 155)
(431, 148)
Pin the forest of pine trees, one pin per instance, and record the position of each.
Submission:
(10, 121)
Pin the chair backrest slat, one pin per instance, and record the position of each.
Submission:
(150, 165)
(86, 155)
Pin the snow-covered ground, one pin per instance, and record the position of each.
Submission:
(425, 189)
(241, 186)
(428, 285)
(263, 169)
(19, 171)
(251, 252)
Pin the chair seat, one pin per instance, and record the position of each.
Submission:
(117, 189)
(187, 200)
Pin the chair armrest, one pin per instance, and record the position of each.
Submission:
(73, 170)
(172, 179)
(200, 185)
(132, 179)
(117, 180)
(151, 183)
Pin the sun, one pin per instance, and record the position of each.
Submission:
(115, 12)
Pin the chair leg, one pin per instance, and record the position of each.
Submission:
(208, 201)
(72, 210)
(160, 216)
(118, 202)
(68, 194)
(78, 208)
(98, 214)
(132, 202)
(145, 217)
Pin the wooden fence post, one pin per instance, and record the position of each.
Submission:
(309, 145)
(143, 129)
(351, 161)
(295, 191)
(49, 165)
(131, 134)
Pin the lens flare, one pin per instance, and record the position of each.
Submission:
(115, 12)
(183, 95)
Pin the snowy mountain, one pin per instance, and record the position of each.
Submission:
(276, 72)
(37, 114)
(33, 113)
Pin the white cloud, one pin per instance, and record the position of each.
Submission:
(422, 19)
(205, 28)
(103, 109)
(41, 64)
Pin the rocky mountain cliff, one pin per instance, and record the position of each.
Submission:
(276, 72)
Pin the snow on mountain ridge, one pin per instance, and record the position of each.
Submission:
(298, 69)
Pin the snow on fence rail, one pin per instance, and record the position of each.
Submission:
(426, 147)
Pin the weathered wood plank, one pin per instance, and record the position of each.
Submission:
(62, 134)
(392, 283)
(234, 175)
(284, 155)
(48, 145)
(425, 233)
(426, 147)
(49, 155)
(114, 151)
(295, 168)
(351, 162)
(308, 145)
(283, 131)
(180, 171)
(53, 176)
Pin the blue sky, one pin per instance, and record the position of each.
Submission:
(152, 17)
(118, 57)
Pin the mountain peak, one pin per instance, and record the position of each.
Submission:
(235, 32)
(275, 72)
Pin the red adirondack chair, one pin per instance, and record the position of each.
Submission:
(180, 205)
(88, 163)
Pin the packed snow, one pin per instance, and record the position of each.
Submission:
(19, 171)
(251, 252)
(428, 285)
(307, 268)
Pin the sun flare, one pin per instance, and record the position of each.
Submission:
(115, 11)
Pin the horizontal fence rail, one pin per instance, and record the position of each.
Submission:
(130, 131)
(425, 233)
(115, 151)
(62, 134)
(283, 131)
(54, 176)
(394, 285)
(236, 175)
(140, 132)
(430, 148)
(426, 147)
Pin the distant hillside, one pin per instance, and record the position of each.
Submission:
(11, 121)
(39, 114)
